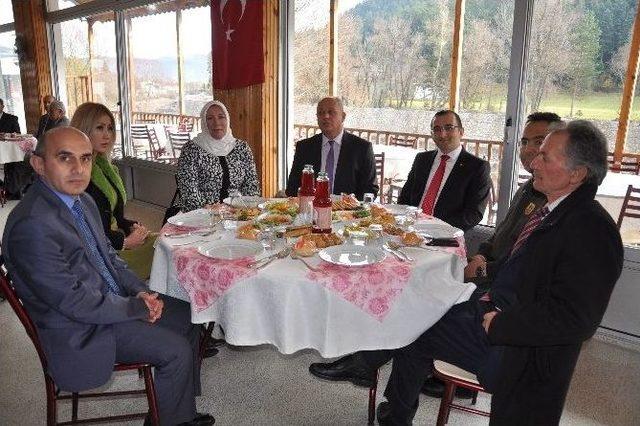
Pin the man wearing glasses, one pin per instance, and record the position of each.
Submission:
(448, 183)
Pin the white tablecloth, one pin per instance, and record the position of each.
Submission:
(615, 184)
(280, 306)
(11, 150)
(397, 160)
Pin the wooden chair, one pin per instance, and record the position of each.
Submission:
(393, 193)
(406, 141)
(148, 142)
(630, 205)
(54, 394)
(185, 124)
(178, 140)
(628, 164)
(453, 377)
(379, 158)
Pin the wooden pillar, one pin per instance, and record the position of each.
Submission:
(456, 55)
(33, 54)
(253, 110)
(180, 60)
(333, 48)
(90, 40)
(628, 89)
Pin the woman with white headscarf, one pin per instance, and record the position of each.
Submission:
(215, 162)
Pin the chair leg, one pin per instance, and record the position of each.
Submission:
(204, 338)
(51, 402)
(474, 399)
(371, 418)
(74, 406)
(151, 396)
(445, 403)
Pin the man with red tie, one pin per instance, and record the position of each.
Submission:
(522, 338)
(448, 183)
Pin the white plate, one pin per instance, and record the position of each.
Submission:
(396, 209)
(437, 230)
(244, 201)
(348, 255)
(198, 218)
(230, 249)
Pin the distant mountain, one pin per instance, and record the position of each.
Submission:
(196, 68)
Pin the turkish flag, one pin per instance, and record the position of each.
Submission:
(236, 29)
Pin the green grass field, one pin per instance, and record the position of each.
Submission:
(595, 106)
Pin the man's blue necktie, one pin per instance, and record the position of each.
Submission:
(329, 166)
(90, 239)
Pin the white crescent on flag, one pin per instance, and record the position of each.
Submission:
(223, 3)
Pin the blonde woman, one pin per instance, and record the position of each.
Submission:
(108, 191)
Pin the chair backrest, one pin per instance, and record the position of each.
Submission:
(630, 205)
(380, 174)
(178, 140)
(6, 286)
(393, 193)
(185, 124)
(401, 140)
(628, 164)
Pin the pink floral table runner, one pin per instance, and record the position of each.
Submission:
(372, 288)
(206, 279)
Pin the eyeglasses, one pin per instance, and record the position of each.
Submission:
(446, 128)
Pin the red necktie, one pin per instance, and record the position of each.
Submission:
(432, 193)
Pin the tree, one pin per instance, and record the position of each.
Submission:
(584, 64)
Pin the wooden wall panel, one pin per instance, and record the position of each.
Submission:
(35, 72)
(253, 110)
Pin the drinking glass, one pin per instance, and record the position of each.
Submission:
(368, 198)
(411, 215)
(233, 194)
(267, 238)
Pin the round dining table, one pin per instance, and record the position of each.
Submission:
(295, 305)
(13, 147)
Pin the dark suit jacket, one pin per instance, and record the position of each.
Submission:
(47, 124)
(355, 172)
(9, 123)
(464, 195)
(525, 202)
(116, 237)
(61, 287)
(562, 278)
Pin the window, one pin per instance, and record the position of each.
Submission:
(53, 5)
(10, 84)
(577, 65)
(486, 51)
(86, 62)
(6, 12)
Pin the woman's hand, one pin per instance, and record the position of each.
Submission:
(136, 237)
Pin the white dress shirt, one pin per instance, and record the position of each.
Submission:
(453, 157)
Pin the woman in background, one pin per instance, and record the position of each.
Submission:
(106, 188)
(215, 163)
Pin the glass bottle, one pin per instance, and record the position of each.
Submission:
(322, 206)
(306, 192)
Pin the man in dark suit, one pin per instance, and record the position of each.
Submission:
(90, 310)
(56, 117)
(523, 337)
(47, 100)
(8, 122)
(526, 201)
(448, 183)
(347, 159)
